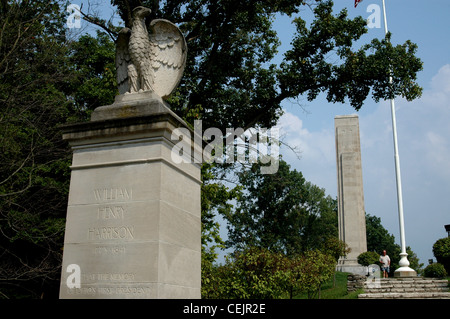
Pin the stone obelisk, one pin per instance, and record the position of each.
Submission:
(351, 213)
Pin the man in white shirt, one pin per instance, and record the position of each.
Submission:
(385, 263)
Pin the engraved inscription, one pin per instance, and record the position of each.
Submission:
(110, 212)
(117, 232)
(82, 291)
(109, 277)
(126, 290)
(109, 250)
(113, 194)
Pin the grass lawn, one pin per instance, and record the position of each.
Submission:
(337, 291)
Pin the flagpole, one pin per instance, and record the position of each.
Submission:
(404, 270)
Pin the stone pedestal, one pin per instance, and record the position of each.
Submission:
(133, 219)
(351, 267)
(404, 270)
(351, 213)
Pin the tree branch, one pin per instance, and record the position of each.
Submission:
(95, 20)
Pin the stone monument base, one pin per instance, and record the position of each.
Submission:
(133, 226)
(133, 105)
(405, 272)
(351, 266)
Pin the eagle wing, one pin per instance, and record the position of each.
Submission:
(168, 55)
(123, 59)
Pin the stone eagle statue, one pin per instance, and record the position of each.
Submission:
(150, 62)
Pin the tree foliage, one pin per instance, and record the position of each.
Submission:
(379, 239)
(435, 270)
(368, 258)
(230, 75)
(441, 250)
(93, 73)
(33, 159)
(311, 271)
(258, 273)
(307, 70)
(216, 198)
(281, 212)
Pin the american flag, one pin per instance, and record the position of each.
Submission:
(356, 2)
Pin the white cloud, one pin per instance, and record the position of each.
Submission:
(424, 148)
(427, 129)
(441, 81)
(316, 150)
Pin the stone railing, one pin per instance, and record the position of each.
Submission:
(355, 282)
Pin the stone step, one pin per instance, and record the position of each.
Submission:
(409, 295)
(377, 287)
(406, 288)
(399, 290)
(393, 283)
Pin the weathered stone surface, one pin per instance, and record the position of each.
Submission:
(355, 282)
(152, 63)
(407, 288)
(133, 217)
(351, 214)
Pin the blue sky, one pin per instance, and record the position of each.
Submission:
(422, 125)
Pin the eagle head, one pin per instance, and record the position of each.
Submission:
(141, 12)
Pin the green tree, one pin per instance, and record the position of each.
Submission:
(230, 74)
(216, 198)
(315, 268)
(34, 161)
(379, 239)
(231, 81)
(93, 73)
(281, 212)
(253, 273)
(307, 70)
(263, 274)
(441, 250)
(435, 270)
(368, 258)
(46, 80)
(335, 248)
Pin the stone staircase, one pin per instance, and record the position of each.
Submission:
(406, 288)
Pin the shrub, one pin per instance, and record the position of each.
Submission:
(254, 273)
(441, 250)
(310, 271)
(435, 270)
(257, 273)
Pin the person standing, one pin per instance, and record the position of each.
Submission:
(385, 264)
